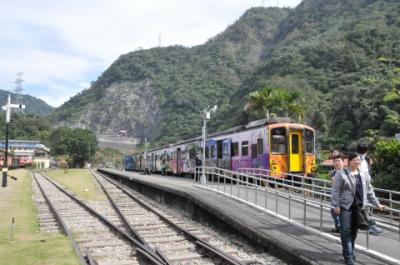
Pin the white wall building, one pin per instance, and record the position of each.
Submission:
(28, 152)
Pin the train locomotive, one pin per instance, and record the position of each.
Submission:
(277, 145)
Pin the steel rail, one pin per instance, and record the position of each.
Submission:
(144, 250)
(198, 241)
(64, 228)
(132, 230)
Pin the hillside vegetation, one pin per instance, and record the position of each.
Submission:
(33, 105)
(342, 56)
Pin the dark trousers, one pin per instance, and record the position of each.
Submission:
(336, 219)
(348, 232)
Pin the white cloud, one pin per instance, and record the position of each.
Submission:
(62, 43)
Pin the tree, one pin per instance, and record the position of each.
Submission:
(289, 102)
(279, 99)
(263, 100)
(387, 164)
(78, 144)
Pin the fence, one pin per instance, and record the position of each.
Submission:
(260, 190)
(389, 198)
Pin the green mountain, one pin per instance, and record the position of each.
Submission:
(33, 105)
(343, 56)
(160, 92)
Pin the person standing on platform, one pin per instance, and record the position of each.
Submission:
(338, 164)
(365, 167)
(351, 189)
(198, 163)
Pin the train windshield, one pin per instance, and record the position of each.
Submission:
(278, 141)
(309, 141)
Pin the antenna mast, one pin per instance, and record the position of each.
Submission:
(159, 40)
(18, 88)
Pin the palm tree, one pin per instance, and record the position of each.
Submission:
(280, 99)
(290, 102)
(263, 100)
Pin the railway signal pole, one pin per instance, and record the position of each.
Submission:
(8, 108)
(207, 115)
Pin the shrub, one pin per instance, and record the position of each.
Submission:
(387, 165)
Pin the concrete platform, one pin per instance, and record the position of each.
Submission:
(291, 243)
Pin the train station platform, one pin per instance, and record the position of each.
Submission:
(293, 243)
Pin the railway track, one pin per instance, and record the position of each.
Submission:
(96, 239)
(47, 220)
(178, 241)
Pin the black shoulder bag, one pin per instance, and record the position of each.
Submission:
(363, 216)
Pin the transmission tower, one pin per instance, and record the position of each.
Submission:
(159, 40)
(18, 88)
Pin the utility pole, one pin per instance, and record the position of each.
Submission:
(207, 116)
(8, 108)
(90, 163)
(145, 155)
(123, 158)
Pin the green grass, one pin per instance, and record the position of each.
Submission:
(80, 182)
(29, 247)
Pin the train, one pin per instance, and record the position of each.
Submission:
(278, 145)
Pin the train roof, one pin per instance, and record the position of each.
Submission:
(253, 125)
(273, 122)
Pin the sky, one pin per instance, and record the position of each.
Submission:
(61, 46)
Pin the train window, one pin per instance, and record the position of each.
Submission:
(295, 144)
(192, 152)
(253, 150)
(245, 148)
(226, 150)
(207, 152)
(220, 149)
(212, 151)
(235, 149)
(260, 146)
(309, 141)
(278, 141)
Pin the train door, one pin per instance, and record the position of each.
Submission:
(178, 159)
(211, 156)
(226, 154)
(219, 153)
(155, 163)
(296, 152)
(152, 162)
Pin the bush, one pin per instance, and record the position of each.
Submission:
(387, 165)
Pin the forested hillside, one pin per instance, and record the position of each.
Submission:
(33, 105)
(342, 56)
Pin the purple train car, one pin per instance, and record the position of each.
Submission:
(276, 144)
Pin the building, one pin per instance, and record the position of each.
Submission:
(9, 159)
(41, 158)
(27, 152)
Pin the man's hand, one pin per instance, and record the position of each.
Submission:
(381, 207)
(337, 210)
